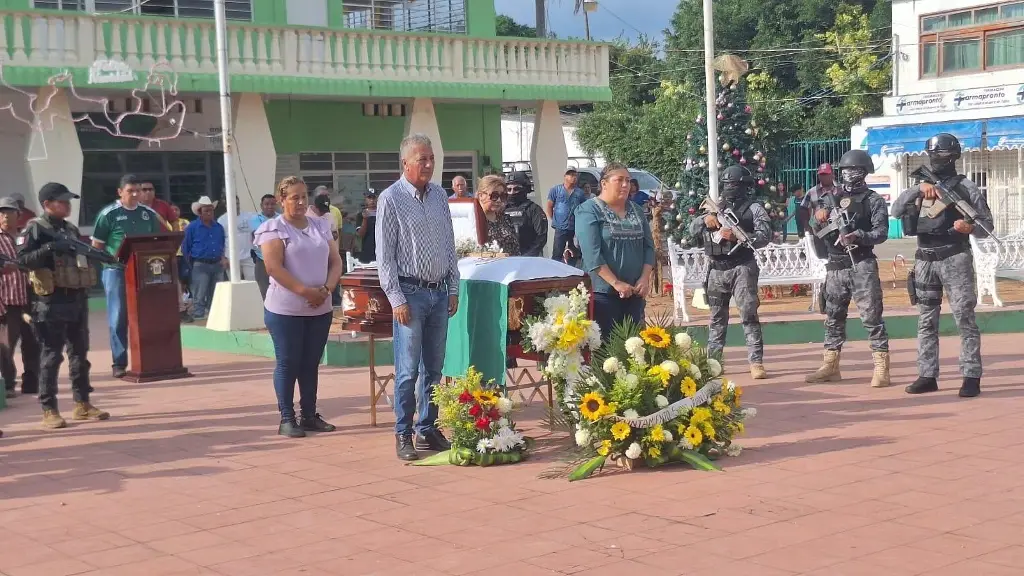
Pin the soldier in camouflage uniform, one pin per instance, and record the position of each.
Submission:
(733, 270)
(852, 269)
(944, 262)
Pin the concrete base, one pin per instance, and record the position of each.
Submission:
(236, 307)
(700, 302)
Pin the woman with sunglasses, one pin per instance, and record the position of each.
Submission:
(492, 196)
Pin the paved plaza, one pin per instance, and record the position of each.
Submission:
(190, 478)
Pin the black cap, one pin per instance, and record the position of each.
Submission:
(55, 191)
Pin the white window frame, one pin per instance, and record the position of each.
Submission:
(136, 7)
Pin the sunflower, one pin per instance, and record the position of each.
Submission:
(604, 448)
(620, 430)
(593, 407)
(700, 415)
(485, 397)
(661, 374)
(693, 436)
(721, 407)
(689, 387)
(656, 336)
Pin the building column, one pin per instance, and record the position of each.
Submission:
(548, 156)
(422, 120)
(55, 153)
(255, 161)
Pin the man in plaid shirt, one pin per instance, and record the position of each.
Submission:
(14, 305)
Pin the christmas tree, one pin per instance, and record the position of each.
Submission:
(740, 141)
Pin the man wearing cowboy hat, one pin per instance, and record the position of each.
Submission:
(125, 217)
(203, 249)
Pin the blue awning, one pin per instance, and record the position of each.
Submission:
(1005, 133)
(911, 138)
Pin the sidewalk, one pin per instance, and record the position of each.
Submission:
(189, 478)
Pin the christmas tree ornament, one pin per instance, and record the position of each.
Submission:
(773, 188)
(700, 119)
(721, 117)
(726, 147)
(743, 161)
(748, 131)
(702, 149)
(702, 164)
(731, 104)
(667, 228)
(760, 182)
(691, 211)
(748, 109)
(736, 152)
(680, 217)
(693, 193)
(757, 156)
(689, 137)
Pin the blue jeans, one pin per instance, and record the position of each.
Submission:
(610, 310)
(419, 356)
(204, 281)
(117, 315)
(299, 343)
(563, 241)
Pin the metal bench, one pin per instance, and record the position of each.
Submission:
(992, 260)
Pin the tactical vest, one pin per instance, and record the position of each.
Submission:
(66, 272)
(860, 211)
(936, 232)
(721, 251)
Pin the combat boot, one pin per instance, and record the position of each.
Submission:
(829, 371)
(922, 386)
(970, 388)
(880, 379)
(52, 419)
(757, 372)
(86, 411)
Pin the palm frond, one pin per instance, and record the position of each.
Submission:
(557, 421)
(571, 458)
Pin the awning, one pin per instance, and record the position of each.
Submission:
(911, 138)
(1004, 133)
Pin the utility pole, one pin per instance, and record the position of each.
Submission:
(711, 94)
(586, 23)
(226, 137)
(542, 19)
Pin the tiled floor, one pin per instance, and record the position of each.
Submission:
(188, 477)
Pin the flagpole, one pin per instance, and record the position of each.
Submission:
(711, 95)
(226, 138)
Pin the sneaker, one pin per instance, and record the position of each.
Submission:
(970, 388)
(52, 419)
(404, 448)
(315, 423)
(290, 429)
(923, 386)
(86, 411)
(119, 371)
(432, 441)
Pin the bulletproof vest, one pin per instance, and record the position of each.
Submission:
(519, 214)
(936, 231)
(720, 251)
(856, 205)
(69, 271)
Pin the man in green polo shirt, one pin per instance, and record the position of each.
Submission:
(114, 223)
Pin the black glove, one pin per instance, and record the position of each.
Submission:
(62, 245)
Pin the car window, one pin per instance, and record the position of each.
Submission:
(588, 178)
(645, 179)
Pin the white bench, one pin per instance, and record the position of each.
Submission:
(991, 260)
(781, 265)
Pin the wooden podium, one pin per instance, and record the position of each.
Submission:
(154, 321)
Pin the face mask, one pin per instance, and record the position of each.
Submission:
(322, 203)
(853, 178)
(942, 163)
(732, 190)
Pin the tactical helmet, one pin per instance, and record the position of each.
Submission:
(857, 159)
(737, 174)
(522, 180)
(946, 143)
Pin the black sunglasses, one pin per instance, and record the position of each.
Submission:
(497, 196)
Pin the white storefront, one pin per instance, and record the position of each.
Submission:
(960, 70)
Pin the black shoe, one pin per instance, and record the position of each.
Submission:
(29, 385)
(922, 386)
(119, 371)
(290, 429)
(11, 393)
(404, 448)
(186, 318)
(970, 388)
(432, 441)
(315, 423)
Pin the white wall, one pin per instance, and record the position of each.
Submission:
(13, 147)
(517, 141)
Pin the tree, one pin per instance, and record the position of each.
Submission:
(508, 27)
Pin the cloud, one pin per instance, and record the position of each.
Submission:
(613, 18)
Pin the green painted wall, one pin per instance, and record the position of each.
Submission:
(481, 18)
(15, 4)
(269, 12)
(308, 126)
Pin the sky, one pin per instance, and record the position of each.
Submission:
(613, 18)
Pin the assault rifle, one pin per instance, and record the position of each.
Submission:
(728, 220)
(76, 246)
(841, 222)
(948, 196)
(4, 260)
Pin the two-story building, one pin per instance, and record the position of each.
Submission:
(960, 69)
(324, 89)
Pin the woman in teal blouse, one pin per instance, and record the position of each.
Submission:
(618, 250)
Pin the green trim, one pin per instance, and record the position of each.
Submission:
(481, 19)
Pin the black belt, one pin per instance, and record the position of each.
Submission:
(730, 262)
(207, 260)
(836, 264)
(942, 252)
(422, 283)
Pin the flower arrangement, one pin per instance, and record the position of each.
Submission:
(479, 419)
(562, 333)
(466, 247)
(652, 395)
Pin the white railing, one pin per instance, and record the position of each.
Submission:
(69, 40)
(991, 259)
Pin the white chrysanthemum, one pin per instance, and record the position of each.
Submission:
(661, 401)
(556, 305)
(632, 380)
(715, 367)
(685, 444)
(668, 436)
(582, 437)
(695, 372)
(683, 341)
(749, 413)
(593, 335)
(634, 345)
(502, 422)
(542, 336)
(504, 405)
(733, 450)
(630, 414)
(611, 365)
(670, 367)
(506, 439)
(634, 451)
(483, 445)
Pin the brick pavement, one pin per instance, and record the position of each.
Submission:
(189, 478)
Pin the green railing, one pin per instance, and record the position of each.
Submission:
(799, 161)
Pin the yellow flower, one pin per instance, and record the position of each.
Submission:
(620, 430)
(657, 433)
(680, 429)
(721, 407)
(573, 334)
(654, 452)
(709, 430)
(660, 373)
(593, 407)
(738, 392)
(656, 336)
(485, 397)
(693, 436)
(740, 428)
(689, 387)
(604, 448)
(700, 415)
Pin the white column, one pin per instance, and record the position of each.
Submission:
(255, 161)
(422, 120)
(55, 155)
(548, 156)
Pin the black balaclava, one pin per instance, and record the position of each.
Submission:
(734, 189)
(522, 182)
(942, 163)
(852, 179)
(322, 203)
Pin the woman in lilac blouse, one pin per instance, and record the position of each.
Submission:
(304, 265)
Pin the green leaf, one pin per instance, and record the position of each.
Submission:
(698, 461)
(439, 459)
(587, 469)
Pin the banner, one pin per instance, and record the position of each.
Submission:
(969, 99)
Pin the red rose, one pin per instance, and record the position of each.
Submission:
(465, 397)
(483, 424)
(475, 411)
(493, 414)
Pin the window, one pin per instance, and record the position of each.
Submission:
(77, 5)
(965, 41)
(233, 9)
(448, 16)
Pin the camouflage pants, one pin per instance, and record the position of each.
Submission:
(739, 282)
(956, 275)
(861, 284)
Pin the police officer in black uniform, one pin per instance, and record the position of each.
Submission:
(528, 218)
(61, 278)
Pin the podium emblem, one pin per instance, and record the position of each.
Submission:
(156, 271)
